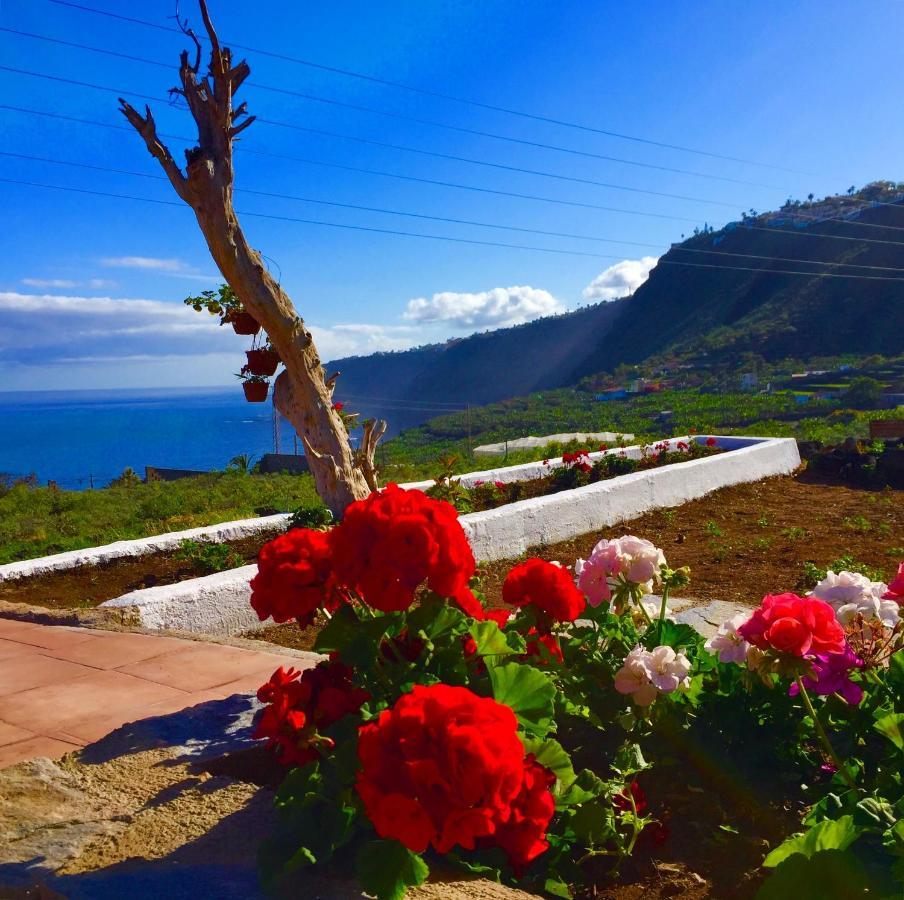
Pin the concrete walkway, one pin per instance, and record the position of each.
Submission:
(62, 688)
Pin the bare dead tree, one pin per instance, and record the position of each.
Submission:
(301, 393)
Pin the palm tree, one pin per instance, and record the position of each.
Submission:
(242, 463)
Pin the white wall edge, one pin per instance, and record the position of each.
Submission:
(220, 604)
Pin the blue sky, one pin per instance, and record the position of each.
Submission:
(91, 287)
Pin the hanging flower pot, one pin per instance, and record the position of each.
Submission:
(255, 391)
(262, 361)
(244, 323)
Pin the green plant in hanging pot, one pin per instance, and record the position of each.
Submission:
(224, 303)
(255, 387)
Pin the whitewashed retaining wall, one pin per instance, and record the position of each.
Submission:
(93, 556)
(219, 604)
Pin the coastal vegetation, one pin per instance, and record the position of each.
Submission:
(35, 521)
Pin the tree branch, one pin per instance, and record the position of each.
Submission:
(374, 429)
(147, 128)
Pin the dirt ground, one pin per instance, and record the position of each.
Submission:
(741, 542)
(89, 586)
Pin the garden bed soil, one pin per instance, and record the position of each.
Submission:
(91, 585)
(741, 542)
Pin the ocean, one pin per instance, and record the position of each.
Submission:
(77, 438)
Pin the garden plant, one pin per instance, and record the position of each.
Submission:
(516, 743)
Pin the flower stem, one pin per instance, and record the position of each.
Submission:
(823, 737)
(662, 609)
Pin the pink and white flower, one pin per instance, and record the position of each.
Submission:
(851, 594)
(646, 673)
(615, 566)
(727, 643)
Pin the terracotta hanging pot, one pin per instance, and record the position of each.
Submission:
(255, 391)
(262, 362)
(244, 323)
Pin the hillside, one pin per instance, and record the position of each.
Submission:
(700, 310)
(700, 304)
(481, 368)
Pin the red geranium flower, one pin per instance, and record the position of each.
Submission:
(389, 544)
(711, 442)
(523, 835)
(546, 586)
(794, 625)
(622, 802)
(444, 767)
(294, 577)
(896, 588)
(543, 648)
(297, 708)
(338, 406)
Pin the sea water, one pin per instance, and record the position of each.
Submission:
(80, 438)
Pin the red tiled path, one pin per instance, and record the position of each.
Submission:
(62, 688)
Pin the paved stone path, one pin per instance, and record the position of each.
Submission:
(62, 688)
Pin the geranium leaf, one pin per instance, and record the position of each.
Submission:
(553, 756)
(557, 888)
(892, 726)
(387, 869)
(830, 834)
(826, 875)
(674, 635)
(585, 787)
(490, 640)
(528, 692)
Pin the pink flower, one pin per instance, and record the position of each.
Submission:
(796, 626)
(728, 643)
(896, 588)
(634, 678)
(647, 673)
(615, 565)
(499, 485)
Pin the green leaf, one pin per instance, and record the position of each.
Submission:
(528, 692)
(826, 875)
(490, 640)
(387, 869)
(557, 888)
(434, 616)
(593, 823)
(553, 756)
(586, 786)
(891, 727)
(357, 640)
(830, 834)
(674, 635)
(629, 760)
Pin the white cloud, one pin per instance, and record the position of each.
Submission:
(49, 282)
(497, 307)
(359, 339)
(177, 268)
(65, 283)
(620, 280)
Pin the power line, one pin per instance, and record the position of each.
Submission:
(402, 116)
(454, 221)
(395, 232)
(769, 271)
(397, 147)
(377, 172)
(375, 209)
(456, 240)
(439, 94)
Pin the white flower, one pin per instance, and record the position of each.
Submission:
(647, 672)
(640, 559)
(634, 678)
(668, 669)
(838, 588)
(851, 594)
(727, 643)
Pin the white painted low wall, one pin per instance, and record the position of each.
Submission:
(219, 604)
(93, 556)
(513, 529)
(529, 442)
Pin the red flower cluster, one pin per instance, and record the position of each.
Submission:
(393, 541)
(542, 648)
(298, 708)
(711, 442)
(546, 586)
(794, 625)
(579, 460)
(444, 767)
(338, 406)
(294, 577)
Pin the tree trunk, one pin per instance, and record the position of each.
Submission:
(301, 393)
